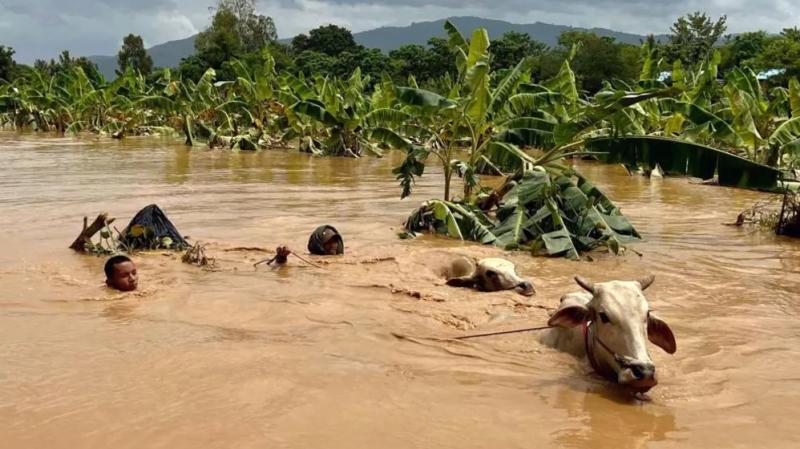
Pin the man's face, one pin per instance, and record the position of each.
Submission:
(332, 247)
(125, 278)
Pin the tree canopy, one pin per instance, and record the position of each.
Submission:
(7, 63)
(512, 46)
(133, 55)
(781, 52)
(693, 37)
(329, 39)
(66, 63)
(236, 31)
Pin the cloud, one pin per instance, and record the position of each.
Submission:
(42, 28)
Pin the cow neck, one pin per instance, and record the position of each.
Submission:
(590, 339)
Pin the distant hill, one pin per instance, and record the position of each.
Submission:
(169, 54)
(389, 38)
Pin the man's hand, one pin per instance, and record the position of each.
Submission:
(282, 254)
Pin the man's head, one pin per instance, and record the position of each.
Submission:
(121, 274)
(326, 241)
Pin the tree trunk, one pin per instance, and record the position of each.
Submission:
(88, 232)
(447, 175)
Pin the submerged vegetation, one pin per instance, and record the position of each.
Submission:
(489, 109)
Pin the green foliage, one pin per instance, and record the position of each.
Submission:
(67, 64)
(742, 50)
(781, 52)
(133, 55)
(558, 213)
(513, 47)
(593, 59)
(311, 62)
(236, 32)
(255, 31)
(220, 42)
(330, 40)
(7, 64)
(372, 63)
(693, 37)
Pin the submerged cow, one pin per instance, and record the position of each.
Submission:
(488, 275)
(610, 324)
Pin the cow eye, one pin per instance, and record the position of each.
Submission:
(491, 274)
(604, 317)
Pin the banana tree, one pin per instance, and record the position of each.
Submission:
(344, 112)
(462, 123)
(491, 124)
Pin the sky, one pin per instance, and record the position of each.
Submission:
(39, 29)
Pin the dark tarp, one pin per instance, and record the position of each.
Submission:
(151, 229)
(321, 235)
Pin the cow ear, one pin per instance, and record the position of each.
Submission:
(463, 281)
(570, 316)
(659, 333)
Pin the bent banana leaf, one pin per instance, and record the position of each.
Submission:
(456, 220)
(677, 157)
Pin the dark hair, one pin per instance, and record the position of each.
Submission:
(113, 261)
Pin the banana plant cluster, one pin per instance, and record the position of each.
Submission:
(549, 212)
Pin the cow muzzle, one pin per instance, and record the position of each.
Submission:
(636, 375)
(525, 288)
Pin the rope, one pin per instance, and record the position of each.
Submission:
(308, 261)
(516, 331)
(269, 261)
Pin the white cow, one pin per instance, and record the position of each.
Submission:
(610, 324)
(488, 275)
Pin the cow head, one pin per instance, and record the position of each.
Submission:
(491, 275)
(619, 324)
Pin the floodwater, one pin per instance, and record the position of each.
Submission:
(357, 354)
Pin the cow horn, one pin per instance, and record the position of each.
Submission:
(585, 284)
(645, 282)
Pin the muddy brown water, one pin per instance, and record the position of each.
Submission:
(303, 357)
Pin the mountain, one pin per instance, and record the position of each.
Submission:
(169, 54)
(389, 38)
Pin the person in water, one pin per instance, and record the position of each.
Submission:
(121, 274)
(326, 241)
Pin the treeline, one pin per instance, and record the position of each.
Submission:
(238, 33)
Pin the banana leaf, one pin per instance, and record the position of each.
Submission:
(316, 112)
(422, 98)
(678, 157)
(456, 220)
(511, 231)
(794, 97)
(550, 212)
(787, 137)
(413, 166)
(503, 156)
(509, 84)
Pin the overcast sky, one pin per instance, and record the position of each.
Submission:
(41, 28)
